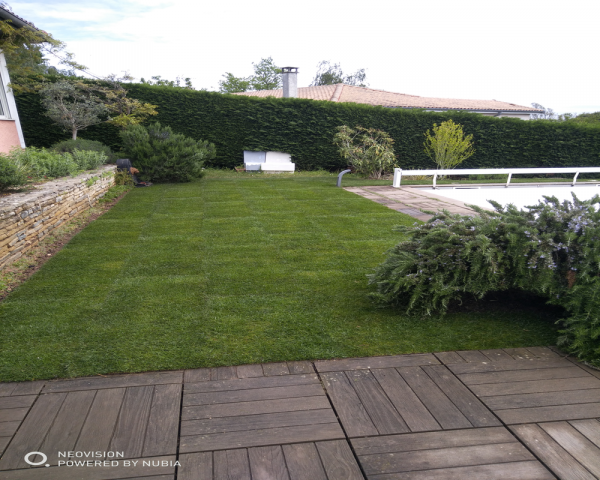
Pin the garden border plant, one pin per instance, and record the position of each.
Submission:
(550, 250)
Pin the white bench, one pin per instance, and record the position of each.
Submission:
(270, 162)
(398, 172)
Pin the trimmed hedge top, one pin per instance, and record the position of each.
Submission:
(305, 128)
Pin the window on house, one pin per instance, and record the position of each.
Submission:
(3, 105)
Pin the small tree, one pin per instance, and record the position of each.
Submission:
(127, 111)
(73, 105)
(331, 73)
(368, 150)
(448, 146)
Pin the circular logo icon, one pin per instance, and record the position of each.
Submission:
(35, 464)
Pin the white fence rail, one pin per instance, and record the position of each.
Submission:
(398, 172)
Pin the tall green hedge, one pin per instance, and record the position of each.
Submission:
(305, 129)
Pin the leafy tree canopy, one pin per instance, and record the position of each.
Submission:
(267, 76)
(179, 82)
(331, 73)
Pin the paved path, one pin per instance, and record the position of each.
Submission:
(411, 201)
(496, 414)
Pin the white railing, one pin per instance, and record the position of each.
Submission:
(398, 172)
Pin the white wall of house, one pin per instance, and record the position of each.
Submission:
(10, 117)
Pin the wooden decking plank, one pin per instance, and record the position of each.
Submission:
(535, 386)
(196, 375)
(570, 397)
(256, 422)
(267, 463)
(522, 375)
(8, 429)
(163, 422)
(468, 404)
(253, 408)
(589, 428)
(67, 425)
(473, 356)
(577, 445)
(376, 362)
(338, 461)
(141, 472)
(549, 414)
(274, 369)
(444, 458)
(258, 438)
(132, 422)
(519, 353)
(28, 388)
(412, 410)
(303, 462)
(13, 414)
(113, 381)
(4, 441)
(300, 367)
(223, 373)
(235, 396)
(231, 465)
(195, 466)
(442, 409)
(32, 432)
(97, 430)
(382, 413)
(497, 355)
(249, 371)
(552, 454)
(449, 357)
(250, 383)
(432, 440)
(543, 352)
(509, 366)
(531, 470)
(6, 389)
(17, 402)
(348, 406)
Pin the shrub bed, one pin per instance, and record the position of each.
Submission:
(550, 250)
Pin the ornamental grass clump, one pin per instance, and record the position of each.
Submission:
(551, 250)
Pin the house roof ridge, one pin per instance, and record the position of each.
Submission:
(9, 14)
(339, 87)
(385, 91)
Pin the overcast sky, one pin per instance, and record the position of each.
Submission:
(518, 51)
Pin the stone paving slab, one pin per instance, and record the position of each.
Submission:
(521, 413)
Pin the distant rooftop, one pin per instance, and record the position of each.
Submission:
(370, 96)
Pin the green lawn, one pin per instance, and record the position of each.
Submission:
(228, 270)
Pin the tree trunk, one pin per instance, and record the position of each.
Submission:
(74, 133)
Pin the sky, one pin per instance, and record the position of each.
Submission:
(517, 51)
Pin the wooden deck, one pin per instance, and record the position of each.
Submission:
(496, 414)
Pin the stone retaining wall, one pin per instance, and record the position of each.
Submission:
(26, 218)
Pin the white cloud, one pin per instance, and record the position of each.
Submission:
(517, 51)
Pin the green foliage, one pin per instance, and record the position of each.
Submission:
(304, 128)
(587, 118)
(87, 159)
(72, 105)
(179, 82)
(45, 163)
(123, 177)
(330, 74)
(163, 156)
(82, 144)
(448, 146)
(551, 250)
(266, 76)
(369, 151)
(233, 84)
(12, 173)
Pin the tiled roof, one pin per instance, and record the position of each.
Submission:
(370, 96)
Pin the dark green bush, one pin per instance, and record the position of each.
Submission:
(69, 146)
(12, 173)
(163, 156)
(304, 128)
(45, 163)
(550, 250)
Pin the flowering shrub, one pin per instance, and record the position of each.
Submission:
(550, 249)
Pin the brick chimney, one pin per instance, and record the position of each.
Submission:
(290, 82)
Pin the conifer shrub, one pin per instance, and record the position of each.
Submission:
(163, 156)
(550, 250)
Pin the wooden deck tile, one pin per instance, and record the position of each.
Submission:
(535, 386)
(113, 381)
(223, 373)
(376, 362)
(496, 355)
(247, 371)
(196, 375)
(163, 422)
(549, 414)
(300, 367)
(441, 454)
(472, 356)
(303, 462)
(251, 383)
(338, 461)
(449, 357)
